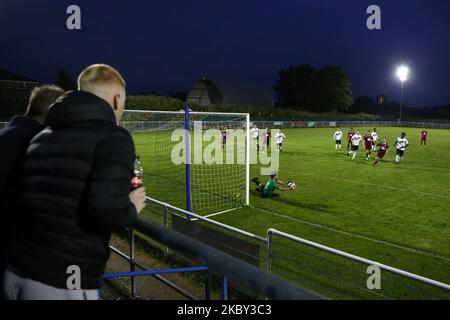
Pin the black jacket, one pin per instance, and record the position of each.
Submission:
(14, 141)
(76, 190)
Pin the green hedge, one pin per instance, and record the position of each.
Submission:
(154, 103)
(140, 102)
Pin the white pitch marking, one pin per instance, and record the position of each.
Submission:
(218, 213)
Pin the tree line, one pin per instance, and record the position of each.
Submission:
(328, 89)
(301, 90)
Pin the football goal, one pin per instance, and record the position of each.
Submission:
(197, 161)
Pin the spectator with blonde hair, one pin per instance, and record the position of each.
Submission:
(77, 179)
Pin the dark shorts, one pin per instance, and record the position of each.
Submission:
(280, 144)
(400, 153)
(369, 146)
(338, 141)
(355, 148)
(381, 154)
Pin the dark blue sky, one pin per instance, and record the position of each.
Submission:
(167, 45)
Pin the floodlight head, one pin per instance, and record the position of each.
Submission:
(403, 73)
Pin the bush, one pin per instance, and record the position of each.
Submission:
(161, 103)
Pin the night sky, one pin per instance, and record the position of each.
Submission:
(166, 45)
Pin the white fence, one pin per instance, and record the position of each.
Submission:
(317, 124)
(329, 272)
(345, 124)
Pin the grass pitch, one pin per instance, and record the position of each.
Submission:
(397, 215)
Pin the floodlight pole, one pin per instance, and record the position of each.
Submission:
(401, 103)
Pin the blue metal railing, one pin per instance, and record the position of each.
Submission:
(145, 273)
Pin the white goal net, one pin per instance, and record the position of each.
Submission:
(202, 167)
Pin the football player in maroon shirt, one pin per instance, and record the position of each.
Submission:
(384, 148)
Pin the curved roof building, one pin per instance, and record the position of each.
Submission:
(205, 93)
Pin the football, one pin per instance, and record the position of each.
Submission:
(292, 185)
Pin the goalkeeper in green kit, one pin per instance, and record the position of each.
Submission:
(272, 185)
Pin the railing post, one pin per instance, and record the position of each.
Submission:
(269, 251)
(224, 288)
(208, 285)
(166, 223)
(132, 264)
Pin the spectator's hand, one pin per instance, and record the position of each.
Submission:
(137, 197)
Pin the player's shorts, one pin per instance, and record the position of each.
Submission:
(280, 144)
(381, 154)
(355, 148)
(424, 138)
(400, 152)
(368, 145)
(338, 142)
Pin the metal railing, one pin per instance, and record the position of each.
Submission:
(216, 261)
(145, 273)
(337, 274)
(331, 273)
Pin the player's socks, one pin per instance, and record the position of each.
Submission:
(354, 156)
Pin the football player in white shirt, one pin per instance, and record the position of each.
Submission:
(356, 140)
(338, 138)
(279, 138)
(255, 134)
(401, 144)
(374, 135)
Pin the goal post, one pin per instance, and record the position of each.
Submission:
(197, 161)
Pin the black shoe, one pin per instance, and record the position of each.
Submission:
(255, 180)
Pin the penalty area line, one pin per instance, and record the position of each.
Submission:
(354, 235)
